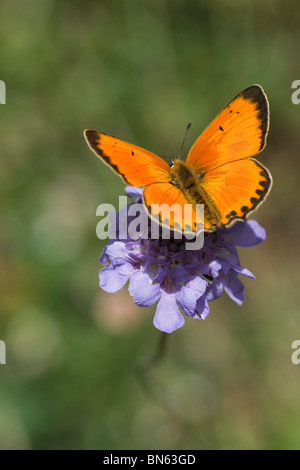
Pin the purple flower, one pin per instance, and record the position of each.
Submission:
(182, 282)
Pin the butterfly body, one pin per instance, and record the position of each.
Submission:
(189, 180)
(219, 171)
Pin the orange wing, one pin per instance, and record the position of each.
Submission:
(135, 165)
(239, 131)
(184, 218)
(236, 189)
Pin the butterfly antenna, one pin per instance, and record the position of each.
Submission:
(184, 139)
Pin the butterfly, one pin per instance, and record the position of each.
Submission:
(219, 171)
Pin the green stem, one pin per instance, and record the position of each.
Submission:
(149, 362)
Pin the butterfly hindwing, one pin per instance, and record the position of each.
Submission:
(159, 198)
(136, 166)
(236, 189)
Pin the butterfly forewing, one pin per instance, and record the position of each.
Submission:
(239, 131)
(134, 164)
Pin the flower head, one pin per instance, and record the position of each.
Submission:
(182, 282)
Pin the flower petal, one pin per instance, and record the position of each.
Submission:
(214, 289)
(124, 267)
(228, 257)
(144, 293)
(248, 233)
(116, 250)
(167, 317)
(103, 257)
(243, 271)
(202, 308)
(187, 300)
(234, 288)
(179, 274)
(133, 191)
(198, 286)
(110, 280)
(215, 267)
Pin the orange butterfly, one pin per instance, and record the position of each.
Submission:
(218, 172)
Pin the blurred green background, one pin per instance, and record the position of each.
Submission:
(140, 70)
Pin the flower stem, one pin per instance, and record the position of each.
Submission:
(147, 363)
